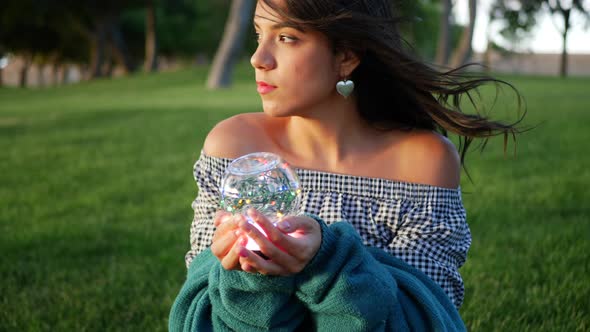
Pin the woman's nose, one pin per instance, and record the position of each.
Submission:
(262, 58)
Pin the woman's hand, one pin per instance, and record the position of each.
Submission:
(227, 238)
(288, 247)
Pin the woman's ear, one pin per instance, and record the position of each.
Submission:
(347, 61)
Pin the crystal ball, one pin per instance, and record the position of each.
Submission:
(263, 181)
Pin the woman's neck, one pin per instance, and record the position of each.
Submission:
(331, 138)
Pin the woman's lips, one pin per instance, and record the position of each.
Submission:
(264, 88)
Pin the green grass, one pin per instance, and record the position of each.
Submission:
(96, 185)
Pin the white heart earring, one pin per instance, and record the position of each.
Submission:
(345, 87)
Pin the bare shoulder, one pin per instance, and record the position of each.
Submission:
(428, 157)
(236, 136)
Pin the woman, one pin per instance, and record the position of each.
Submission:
(364, 124)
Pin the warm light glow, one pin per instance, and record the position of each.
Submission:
(251, 244)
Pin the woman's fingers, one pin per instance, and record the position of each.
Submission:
(225, 236)
(274, 235)
(253, 263)
(304, 234)
(221, 217)
(286, 248)
(269, 244)
(231, 261)
(228, 236)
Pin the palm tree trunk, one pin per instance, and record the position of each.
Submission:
(119, 46)
(55, 68)
(563, 68)
(233, 40)
(97, 52)
(41, 81)
(463, 52)
(444, 34)
(151, 62)
(24, 71)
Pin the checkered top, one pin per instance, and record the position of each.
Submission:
(423, 225)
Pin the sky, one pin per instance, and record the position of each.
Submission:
(544, 38)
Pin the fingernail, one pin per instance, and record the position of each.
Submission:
(246, 227)
(238, 232)
(243, 240)
(243, 252)
(284, 225)
(250, 219)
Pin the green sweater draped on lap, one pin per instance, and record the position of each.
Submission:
(346, 287)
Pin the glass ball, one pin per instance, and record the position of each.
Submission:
(263, 181)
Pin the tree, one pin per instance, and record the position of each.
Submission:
(519, 17)
(99, 22)
(96, 34)
(563, 9)
(451, 51)
(26, 30)
(151, 59)
(3, 62)
(463, 51)
(237, 23)
(119, 45)
(444, 33)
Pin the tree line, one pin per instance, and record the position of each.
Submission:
(134, 34)
(102, 34)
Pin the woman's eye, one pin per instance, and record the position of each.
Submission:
(282, 38)
(287, 39)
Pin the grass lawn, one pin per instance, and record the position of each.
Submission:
(96, 186)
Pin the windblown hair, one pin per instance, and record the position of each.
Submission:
(393, 88)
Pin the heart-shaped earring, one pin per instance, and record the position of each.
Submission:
(345, 87)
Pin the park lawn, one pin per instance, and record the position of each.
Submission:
(96, 186)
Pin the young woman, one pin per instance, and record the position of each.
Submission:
(364, 124)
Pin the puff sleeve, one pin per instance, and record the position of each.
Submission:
(208, 173)
(434, 237)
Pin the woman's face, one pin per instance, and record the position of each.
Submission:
(295, 70)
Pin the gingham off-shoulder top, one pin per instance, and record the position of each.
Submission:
(422, 224)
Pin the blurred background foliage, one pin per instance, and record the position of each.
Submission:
(95, 33)
(100, 38)
(99, 35)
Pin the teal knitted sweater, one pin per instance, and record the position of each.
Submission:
(346, 287)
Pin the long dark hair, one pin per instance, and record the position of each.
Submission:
(394, 89)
